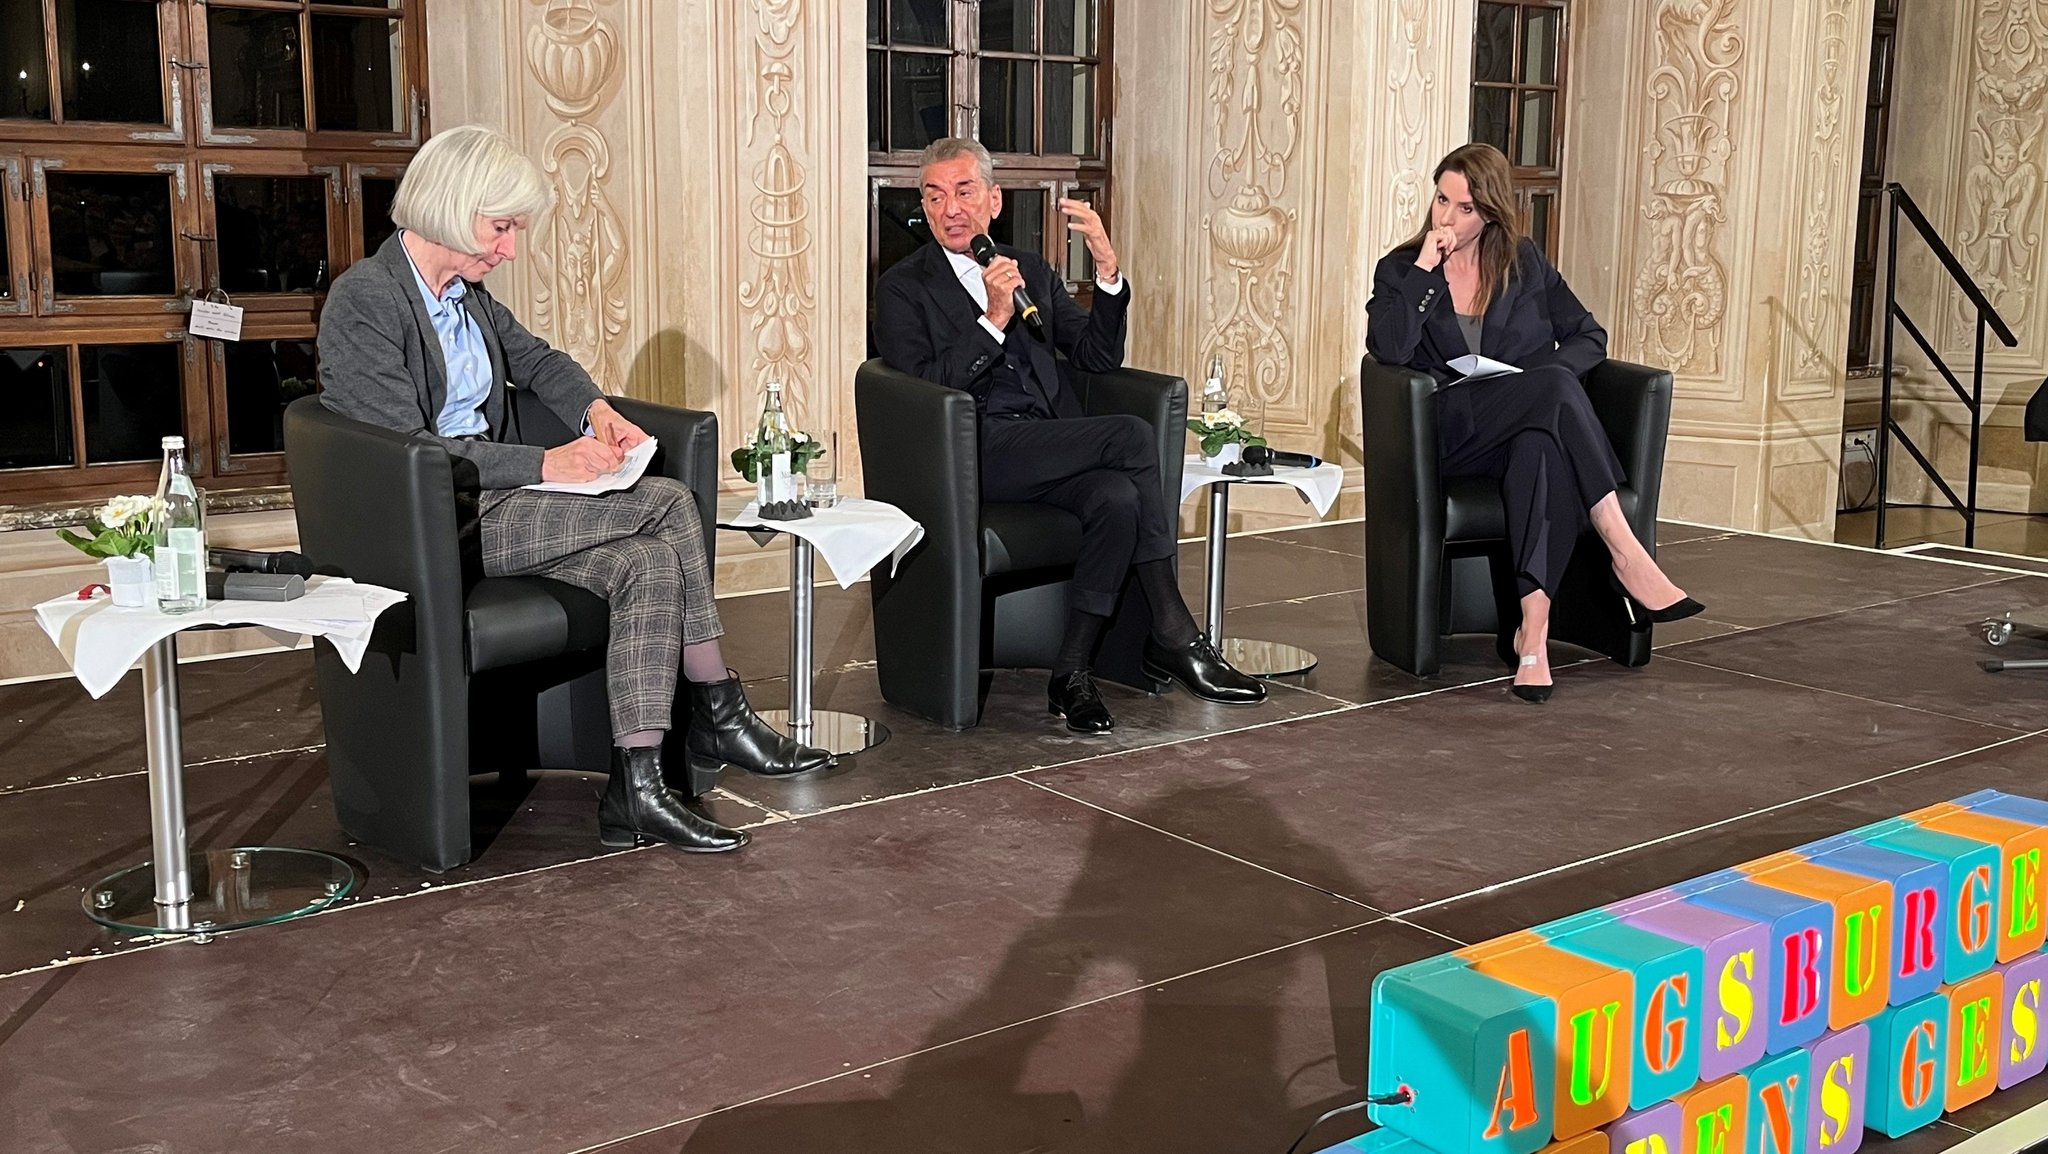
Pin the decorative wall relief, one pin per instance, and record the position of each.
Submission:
(778, 287)
(1999, 240)
(1253, 92)
(1411, 78)
(573, 53)
(1830, 172)
(1680, 294)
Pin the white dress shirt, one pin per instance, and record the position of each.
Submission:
(969, 271)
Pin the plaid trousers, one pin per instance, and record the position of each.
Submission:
(642, 550)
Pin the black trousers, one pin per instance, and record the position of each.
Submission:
(1104, 470)
(1536, 433)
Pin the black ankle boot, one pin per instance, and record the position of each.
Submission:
(724, 730)
(638, 809)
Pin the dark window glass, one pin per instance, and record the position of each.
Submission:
(132, 395)
(1070, 108)
(378, 193)
(356, 74)
(262, 378)
(1532, 130)
(24, 79)
(1070, 27)
(107, 54)
(255, 76)
(1539, 45)
(1493, 55)
(6, 253)
(1022, 224)
(902, 228)
(272, 233)
(1490, 116)
(918, 108)
(875, 20)
(35, 408)
(363, 3)
(110, 234)
(878, 64)
(1080, 264)
(918, 22)
(1006, 25)
(1541, 205)
(1007, 104)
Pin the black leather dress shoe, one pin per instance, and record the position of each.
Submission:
(1199, 669)
(638, 809)
(1075, 697)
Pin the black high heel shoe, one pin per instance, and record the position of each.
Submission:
(1533, 694)
(1641, 616)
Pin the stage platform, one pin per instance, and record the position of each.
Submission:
(1012, 939)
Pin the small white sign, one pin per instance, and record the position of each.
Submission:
(219, 321)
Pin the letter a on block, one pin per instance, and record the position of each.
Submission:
(1515, 1101)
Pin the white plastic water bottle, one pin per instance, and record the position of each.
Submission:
(180, 537)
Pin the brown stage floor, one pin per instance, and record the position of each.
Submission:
(1013, 939)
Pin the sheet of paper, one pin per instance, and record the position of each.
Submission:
(222, 322)
(629, 471)
(1478, 368)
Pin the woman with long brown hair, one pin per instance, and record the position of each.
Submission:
(1471, 281)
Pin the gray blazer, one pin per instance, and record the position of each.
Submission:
(381, 363)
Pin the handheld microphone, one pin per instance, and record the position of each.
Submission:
(984, 251)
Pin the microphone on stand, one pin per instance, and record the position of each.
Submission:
(984, 250)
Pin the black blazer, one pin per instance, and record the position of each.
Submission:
(927, 325)
(1535, 321)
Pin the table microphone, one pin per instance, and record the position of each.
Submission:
(984, 251)
(1286, 460)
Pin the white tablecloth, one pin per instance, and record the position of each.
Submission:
(852, 536)
(101, 641)
(1319, 486)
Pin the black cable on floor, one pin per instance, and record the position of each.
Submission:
(1400, 1097)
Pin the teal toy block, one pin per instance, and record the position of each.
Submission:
(1669, 978)
(1908, 1052)
(1780, 1097)
(1478, 1054)
(1969, 946)
(1919, 891)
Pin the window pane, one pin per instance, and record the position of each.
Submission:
(27, 89)
(1541, 208)
(878, 113)
(1070, 108)
(1006, 26)
(1532, 131)
(6, 253)
(1493, 48)
(1490, 116)
(107, 53)
(357, 72)
(132, 400)
(1006, 104)
(902, 228)
(919, 22)
(1080, 263)
(378, 193)
(255, 74)
(262, 378)
(362, 3)
(1070, 27)
(1869, 217)
(110, 234)
(917, 100)
(1539, 45)
(875, 21)
(1022, 224)
(273, 233)
(35, 408)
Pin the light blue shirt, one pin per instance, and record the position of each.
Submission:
(463, 352)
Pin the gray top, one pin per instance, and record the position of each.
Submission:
(1472, 327)
(381, 363)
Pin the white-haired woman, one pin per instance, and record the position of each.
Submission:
(410, 340)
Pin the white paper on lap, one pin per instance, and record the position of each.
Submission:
(624, 477)
(853, 536)
(1318, 486)
(1478, 368)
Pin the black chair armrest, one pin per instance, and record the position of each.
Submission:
(920, 451)
(1159, 399)
(1633, 403)
(1404, 515)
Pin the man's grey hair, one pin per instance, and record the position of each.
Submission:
(954, 147)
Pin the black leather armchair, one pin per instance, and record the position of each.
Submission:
(1436, 557)
(987, 587)
(469, 674)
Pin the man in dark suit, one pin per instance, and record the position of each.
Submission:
(944, 317)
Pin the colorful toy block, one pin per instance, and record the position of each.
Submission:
(1736, 958)
(1969, 903)
(1859, 983)
(1595, 1024)
(1974, 1037)
(1477, 1052)
(1840, 1070)
(1907, 1046)
(1714, 1116)
(1795, 1006)
(1669, 979)
(2025, 1051)
(1778, 1103)
(1918, 886)
(1657, 1130)
(2020, 926)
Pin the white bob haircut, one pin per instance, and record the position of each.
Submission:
(464, 173)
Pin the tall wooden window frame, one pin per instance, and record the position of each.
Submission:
(1870, 215)
(194, 150)
(1539, 184)
(1034, 177)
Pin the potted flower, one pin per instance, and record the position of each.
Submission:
(755, 461)
(1223, 436)
(122, 537)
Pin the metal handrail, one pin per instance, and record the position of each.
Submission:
(1973, 400)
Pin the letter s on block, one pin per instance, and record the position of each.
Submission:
(1836, 1105)
(1737, 1000)
(2026, 1020)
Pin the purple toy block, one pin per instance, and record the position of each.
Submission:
(1738, 963)
(1638, 1133)
(2023, 1041)
(1841, 1073)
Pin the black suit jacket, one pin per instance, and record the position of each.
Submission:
(927, 325)
(1535, 321)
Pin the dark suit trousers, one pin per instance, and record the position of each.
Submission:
(1103, 470)
(1534, 432)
